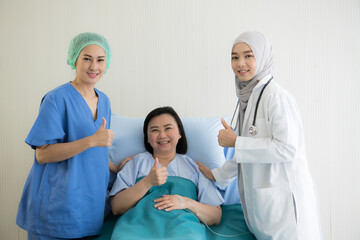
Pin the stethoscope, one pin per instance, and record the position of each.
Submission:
(253, 129)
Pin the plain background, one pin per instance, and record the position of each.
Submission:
(177, 53)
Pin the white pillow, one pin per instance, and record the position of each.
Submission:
(201, 135)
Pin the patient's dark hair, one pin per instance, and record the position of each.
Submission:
(181, 146)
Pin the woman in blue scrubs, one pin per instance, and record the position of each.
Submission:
(64, 194)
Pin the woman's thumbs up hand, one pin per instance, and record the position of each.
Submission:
(103, 137)
(157, 175)
(226, 137)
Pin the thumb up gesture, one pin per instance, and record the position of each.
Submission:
(103, 137)
(157, 175)
(226, 137)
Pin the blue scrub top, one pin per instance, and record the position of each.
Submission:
(180, 166)
(66, 199)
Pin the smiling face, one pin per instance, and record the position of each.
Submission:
(163, 134)
(90, 65)
(243, 62)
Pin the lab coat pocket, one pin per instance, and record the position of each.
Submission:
(273, 207)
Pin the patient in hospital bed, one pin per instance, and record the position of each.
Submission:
(160, 193)
(163, 184)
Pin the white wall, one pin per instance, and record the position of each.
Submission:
(177, 53)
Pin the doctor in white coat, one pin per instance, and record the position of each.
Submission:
(275, 186)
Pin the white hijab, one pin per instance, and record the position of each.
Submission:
(263, 54)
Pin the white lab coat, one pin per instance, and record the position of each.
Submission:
(275, 185)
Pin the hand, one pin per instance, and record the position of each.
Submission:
(206, 171)
(226, 137)
(170, 202)
(115, 169)
(157, 176)
(123, 162)
(103, 137)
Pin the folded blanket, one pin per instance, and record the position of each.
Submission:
(143, 221)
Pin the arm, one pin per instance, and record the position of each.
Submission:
(61, 151)
(206, 213)
(206, 208)
(223, 175)
(127, 198)
(113, 168)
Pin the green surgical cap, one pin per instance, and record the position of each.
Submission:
(84, 39)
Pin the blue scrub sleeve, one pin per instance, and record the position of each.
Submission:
(48, 127)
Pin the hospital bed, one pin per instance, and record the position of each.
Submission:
(201, 134)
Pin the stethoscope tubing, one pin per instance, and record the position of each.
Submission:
(256, 107)
(258, 100)
(232, 119)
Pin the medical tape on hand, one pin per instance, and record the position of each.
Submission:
(182, 200)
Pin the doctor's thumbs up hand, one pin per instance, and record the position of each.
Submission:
(227, 136)
(157, 175)
(103, 137)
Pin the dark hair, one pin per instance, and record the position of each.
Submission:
(181, 146)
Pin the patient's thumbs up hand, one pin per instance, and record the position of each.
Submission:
(156, 164)
(103, 137)
(157, 175)
(226, 137)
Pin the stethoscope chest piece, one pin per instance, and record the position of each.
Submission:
(253, 130)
